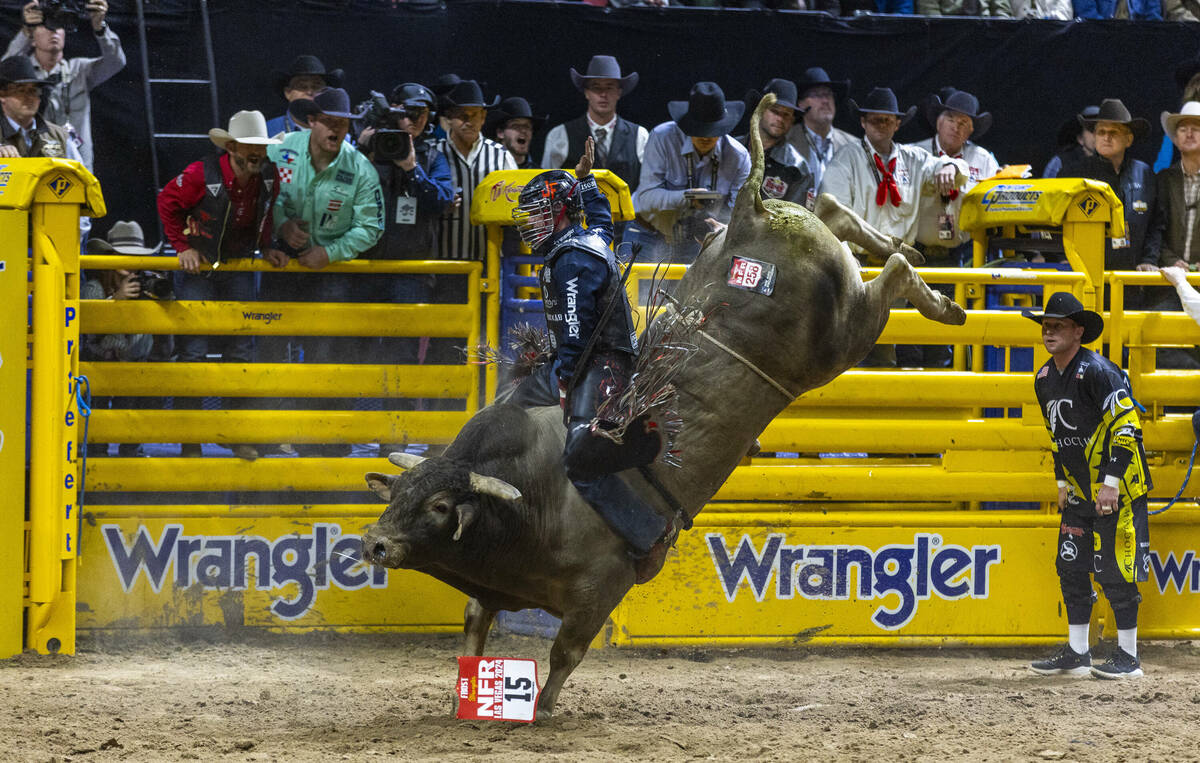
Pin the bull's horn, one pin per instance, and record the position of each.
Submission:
(405, 460)
(494, 486)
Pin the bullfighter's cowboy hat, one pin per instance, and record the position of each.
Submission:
(881, 100)
(126, 237)
(1190, 110)
(248, 127)
(18, 70)
(818, 77)
(1112, 110)
(332, 101)
(604, 67)
(511, 108)
(307, 65)
(706, 113)
(1064, 305)
(785, 95)
(467, 93)
(961, 102)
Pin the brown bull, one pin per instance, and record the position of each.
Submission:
(496, 517)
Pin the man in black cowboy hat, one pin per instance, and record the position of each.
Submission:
(1131, 179)
(620, 144)
(815, 137)
(512, 124)
(68, 99)
(304, 77)
(1076, 142)
(786, 174)
(471, 157)
(691, 173)
(1103, 484)
(24, 132)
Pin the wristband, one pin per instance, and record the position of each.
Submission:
(588, 184)
(1111, 480)
(1061, 483)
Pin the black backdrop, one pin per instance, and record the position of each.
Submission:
(1032, 75)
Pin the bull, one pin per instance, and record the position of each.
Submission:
(496, 517)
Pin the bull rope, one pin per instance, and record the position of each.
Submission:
(746, 362)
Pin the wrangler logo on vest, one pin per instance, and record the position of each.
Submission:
(572, 317)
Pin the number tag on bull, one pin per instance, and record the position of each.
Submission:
(745, 273)
(497, 689)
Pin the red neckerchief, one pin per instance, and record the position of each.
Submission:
(953, 191)
(887, 190)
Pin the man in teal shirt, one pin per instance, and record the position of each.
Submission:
(329, 209)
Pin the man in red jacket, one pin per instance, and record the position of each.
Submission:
(216, 211)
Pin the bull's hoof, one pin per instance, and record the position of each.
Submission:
(754, 449)
(953, 313)
(913, 256)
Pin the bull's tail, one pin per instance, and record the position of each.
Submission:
(749, 200)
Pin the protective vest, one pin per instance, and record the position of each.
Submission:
(622, 153)
(563, 277)
(208, 229)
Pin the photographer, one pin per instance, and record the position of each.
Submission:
(70, 81)
(691, 173)
(219, 209)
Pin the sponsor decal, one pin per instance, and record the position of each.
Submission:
(572, 317)
(497, 689)
(774, 187)
(1139, 206)
(343, 176)
(334, 205)
(1118, 400)
(1083, 367)
(288, 156)
(214, 188)
(1056, 415)
(325, 558)
(264, 317)
(327, 219)
(1068, 551)
(1088, 204)
(752, 275)
(59, 185)
(1182, 573)
(5, 175)
(1010, 198)
(1075, 532)
(899, 575)
(510, 191)
(1044, 372)
(285, 174)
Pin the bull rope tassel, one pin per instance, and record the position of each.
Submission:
(1191, 462)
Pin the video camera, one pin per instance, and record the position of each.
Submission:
(63, 13)
(155, 285)
(389, 142)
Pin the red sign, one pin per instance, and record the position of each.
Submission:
(497, 689)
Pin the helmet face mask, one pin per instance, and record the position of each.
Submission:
(543, 202)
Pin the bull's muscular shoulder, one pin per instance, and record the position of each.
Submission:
(499, 431)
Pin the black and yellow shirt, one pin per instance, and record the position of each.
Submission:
(1093, 424)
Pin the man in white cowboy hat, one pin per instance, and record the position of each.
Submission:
(70, 81)
(471, 157)
(620, 144)
(814, 136)
(219, 210)
(304, 77)
(1177, 234)
(691, 173)
(1131, 179)
(885, 182)
(786, 174)
(1103, 487)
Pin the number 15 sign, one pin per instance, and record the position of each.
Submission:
(497, 689)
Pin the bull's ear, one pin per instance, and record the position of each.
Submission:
(381, 484)
(466, 515)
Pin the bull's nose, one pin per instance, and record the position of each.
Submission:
(378, 552)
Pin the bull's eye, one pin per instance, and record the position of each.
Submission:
(441, 507)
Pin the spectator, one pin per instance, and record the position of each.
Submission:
(329, 209)
(471, 157)
(884, 181)
(1180, 10)
(785, 172)
(442, 85)
(815, 137)
(1187, 294)
(1076, 142)
(304, 78)
(68, 100)
(898, 7)
(416, 190)
(218, 210)
(23, 132)
(690, 177)
(620, 144)
(512, 124)
(1103, 487)
(127, 348)
(1187, 77)
(1055, 10)
(1130, 178)
(996, 8)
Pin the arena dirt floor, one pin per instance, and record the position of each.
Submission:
(337, 697)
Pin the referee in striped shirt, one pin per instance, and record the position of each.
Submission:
(471, 157)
